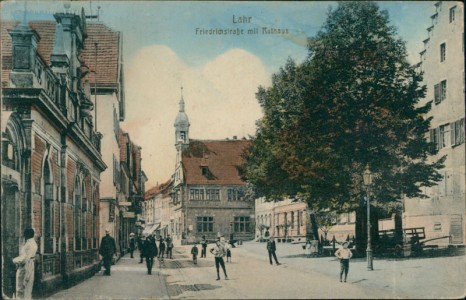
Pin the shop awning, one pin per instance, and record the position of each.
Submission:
(151, 229)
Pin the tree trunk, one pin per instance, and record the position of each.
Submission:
(361, 229)
(314, 227)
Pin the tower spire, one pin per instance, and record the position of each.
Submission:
(181, 101)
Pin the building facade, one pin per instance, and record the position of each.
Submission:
(286, 220)
(51, 152)
(209, 198)
(156, 209)
(103, 75)
(132, 187)
(442, 214)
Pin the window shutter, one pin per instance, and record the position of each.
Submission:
(437, 93)
(461, 131)
(436, 138)
(452, 133)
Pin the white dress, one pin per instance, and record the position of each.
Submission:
(25, 272)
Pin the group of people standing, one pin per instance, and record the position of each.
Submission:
(148, 249)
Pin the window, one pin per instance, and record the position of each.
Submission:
(235, 194)
(440, 91)
(299, 222)
(434, 138)
(77, 214)
(115, 123)
(205, 224)
(457, 132)
(442, 52)
(48, 209)
(452, 13)
(292, 219)
(212, 194)
(444, 138)
(242, 224)
(183, 136)
(196, 194)
(437, 226)
(204, 171)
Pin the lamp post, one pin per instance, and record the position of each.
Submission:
(367, 176)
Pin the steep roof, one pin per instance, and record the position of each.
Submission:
(157, 189)
(107, 55)
(221, 157)
(108, 52)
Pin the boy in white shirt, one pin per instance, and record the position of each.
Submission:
(344, 254)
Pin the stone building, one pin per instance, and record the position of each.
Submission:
(132, 185)
(102, 73)
(157, 211)
(286, 220)
(209, 198)
(442, 61)
(51, 152)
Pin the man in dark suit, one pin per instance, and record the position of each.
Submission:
(107, 250)
(271, 248)
(150, 250)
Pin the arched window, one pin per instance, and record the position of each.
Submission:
(48, 208)
(10, 157)
(94, 218)
(83, 226)
(77, 214)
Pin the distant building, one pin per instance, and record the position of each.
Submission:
(209, 197)
(132, 187)
(286, 220)
(51, 152)
(442, 61)
(156, 208)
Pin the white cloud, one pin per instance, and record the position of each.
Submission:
(219, 96)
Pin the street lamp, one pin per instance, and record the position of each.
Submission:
(367, 176)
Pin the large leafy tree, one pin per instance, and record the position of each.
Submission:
(354, 102)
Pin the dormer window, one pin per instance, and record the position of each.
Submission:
(204, 170)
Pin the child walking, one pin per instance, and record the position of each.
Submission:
(194, 252)
(344, 254)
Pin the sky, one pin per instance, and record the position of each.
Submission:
(166, 45)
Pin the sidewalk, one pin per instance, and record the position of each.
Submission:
(129, 280)
(439, 277)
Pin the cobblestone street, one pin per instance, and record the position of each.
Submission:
(251, 276)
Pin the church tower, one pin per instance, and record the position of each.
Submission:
(181, 127)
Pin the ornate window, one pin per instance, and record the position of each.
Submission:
(77, 214)
(48, 205)
(10, 157)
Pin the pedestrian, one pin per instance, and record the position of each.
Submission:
(25, 265)
(169, 247)
(107, 250)
(150, 251)
(161, 248)
(219, 252)
(344, 254)
(228, 248)
(204, 247)
(194, 252)
(314, 247)
(308, 249)
(140, 243)
(271, 248)
(132, 244)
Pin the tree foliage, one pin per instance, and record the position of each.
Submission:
(353, 102)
